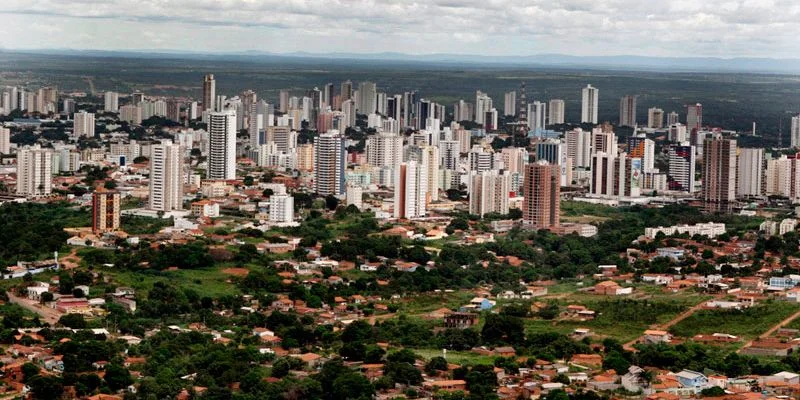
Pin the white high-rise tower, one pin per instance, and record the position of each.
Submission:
(222, 145)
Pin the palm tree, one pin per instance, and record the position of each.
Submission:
(645, 377)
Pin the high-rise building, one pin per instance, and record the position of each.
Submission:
(346, 92)
(166, 177)
(430, 159)
(327, 95)
(719, 170)
(589, 104)
(354, 196)
(111, 102)
(384, 150)
(209, 92)
(604, 141)
(643, 148)
(672, 118)
(34, 171)
(105, 210)
(5, 140)
(556, 112)
(554, 151)
(677, 133)
(131, 114)
(83, 124)
(137, 98)
(749, 171)
(329, 164)
(490, 120)
(795, 132)
(579, 147)
(349, 111)
(782, 177)
(541, 194)
(615, 175)
(281, 208)
(510, 104)
(283, 101)
(655, 118)
(537, 114)
(483, 104)
(305, 157)
(694, 117)
(681, 168)
(627, 111)
(284, 138)
(367, 98)
(410, 192)
(489, 191)
(222, 145)
(173, 110)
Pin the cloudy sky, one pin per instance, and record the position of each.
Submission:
(726, 28)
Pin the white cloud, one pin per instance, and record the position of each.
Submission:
(493, 27)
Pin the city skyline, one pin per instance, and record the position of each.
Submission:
(492, 28)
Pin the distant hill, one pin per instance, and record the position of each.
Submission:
(619, 62)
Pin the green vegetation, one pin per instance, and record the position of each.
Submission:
(31, 231)
(747, 323)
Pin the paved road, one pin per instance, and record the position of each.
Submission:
(46, 314)
(772, 330)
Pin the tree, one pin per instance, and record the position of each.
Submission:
(74, 321)
(352, 386)
(714, 391)
(331, 202)
(117, 377)
(557, 394)
(502, 329)
(46, 297)
(248, 180)
(29, 370)
(46, 387)
(436, 364)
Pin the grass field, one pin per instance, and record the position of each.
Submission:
(207, 282)
(747, 323)
(456, 357)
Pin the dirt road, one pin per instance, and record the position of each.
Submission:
(46, 314)
(686, 314)
(772, 330)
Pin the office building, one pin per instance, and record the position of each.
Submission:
(655, 118)
(589, 104)
(488, 193)
(105, 210)
(410, 192)
(719, 170)
(541, 195)
(166, 177)
(34, 171)
(83, 124)
(556, 112)
(329, 164)
(604, 141)
(627, 111)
